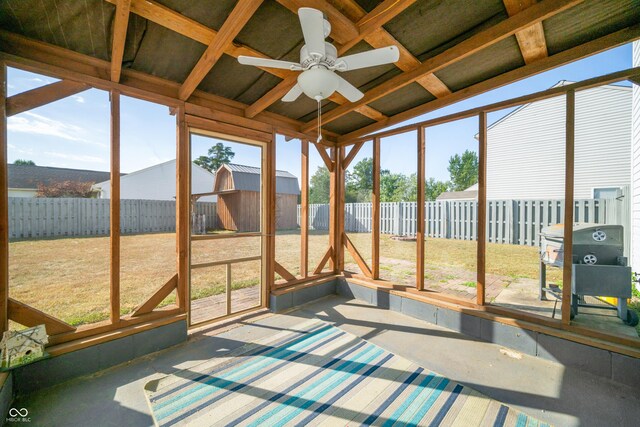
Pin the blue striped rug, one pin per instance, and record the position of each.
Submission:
(317, 374)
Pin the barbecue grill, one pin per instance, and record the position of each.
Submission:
(599, 268)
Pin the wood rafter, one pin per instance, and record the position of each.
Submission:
(194, 30)
(120, 24)
(508, 27)
(590, 48)
(531, 40)
(28, 316)
(338, 34)
(380, 15)
(43, 95)
(343, 30)
(242, 12)
(58, 62)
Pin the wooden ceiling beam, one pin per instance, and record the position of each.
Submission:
(239, 16)
(531, 40)
(120, 24)
(187, 27)
(593, 47)
(44, 58)
(172, 20)
(343, 30)
(43, 95)
(380, 15)
(508, 27)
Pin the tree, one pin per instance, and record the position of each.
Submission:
(463, 170)
(397, 187)
(218, 155)
(433, 188)
(319, 186)
(66, 189)
(359, 183)
(22, 162)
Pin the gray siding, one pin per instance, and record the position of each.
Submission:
(526, 148)
(635, 217)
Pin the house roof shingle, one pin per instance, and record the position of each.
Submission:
(27, 176)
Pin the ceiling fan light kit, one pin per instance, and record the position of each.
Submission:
(319, 61)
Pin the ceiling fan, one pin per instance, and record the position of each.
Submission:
(319, 61)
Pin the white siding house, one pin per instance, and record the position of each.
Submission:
(526, 147)
(635, 156)
(158, 182)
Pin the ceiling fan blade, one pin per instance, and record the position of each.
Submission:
(293, 94)
(348, 90)
(312, 22)
(269, 63)
(371, 58)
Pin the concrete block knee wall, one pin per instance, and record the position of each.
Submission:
(301, 296)
(604, 363)
(55, 370)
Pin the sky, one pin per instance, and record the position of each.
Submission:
(74, 132)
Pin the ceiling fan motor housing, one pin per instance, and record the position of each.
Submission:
(329, 58)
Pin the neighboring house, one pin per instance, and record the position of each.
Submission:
(635, 156)
(526, 147)
(470, 193)
(158, 182)
(239, 190)
(24, 179)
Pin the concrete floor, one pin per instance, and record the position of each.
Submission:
(541, 388)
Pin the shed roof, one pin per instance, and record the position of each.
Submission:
(454, 44)
(28, 176)
(247, 178)
(458, 195)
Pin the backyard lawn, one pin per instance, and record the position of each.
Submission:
(69, 277)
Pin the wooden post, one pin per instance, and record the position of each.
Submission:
(183, 206)
(568, 206)
(4, 204)
(420, 235)
(115, 206)
(270, 212)
(304, 209)
(482, 209)
(228, 287)
(375, 212)
(340, 187)
(333, 218)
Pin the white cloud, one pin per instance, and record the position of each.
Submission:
(76, 157)
(37, 124)
(79, 99)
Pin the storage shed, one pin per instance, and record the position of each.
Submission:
(238, 189)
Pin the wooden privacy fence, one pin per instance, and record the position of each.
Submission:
(508, 221)
(66, 217)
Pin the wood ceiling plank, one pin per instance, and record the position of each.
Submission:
(242, 12)
(343, 29)
(534, 14)
(44, 95)
(120, 24)
(531, 40)
(590, 48)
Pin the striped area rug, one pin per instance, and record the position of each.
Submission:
(317, 374)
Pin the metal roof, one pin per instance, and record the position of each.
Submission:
(27, 176)
(247, 178)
